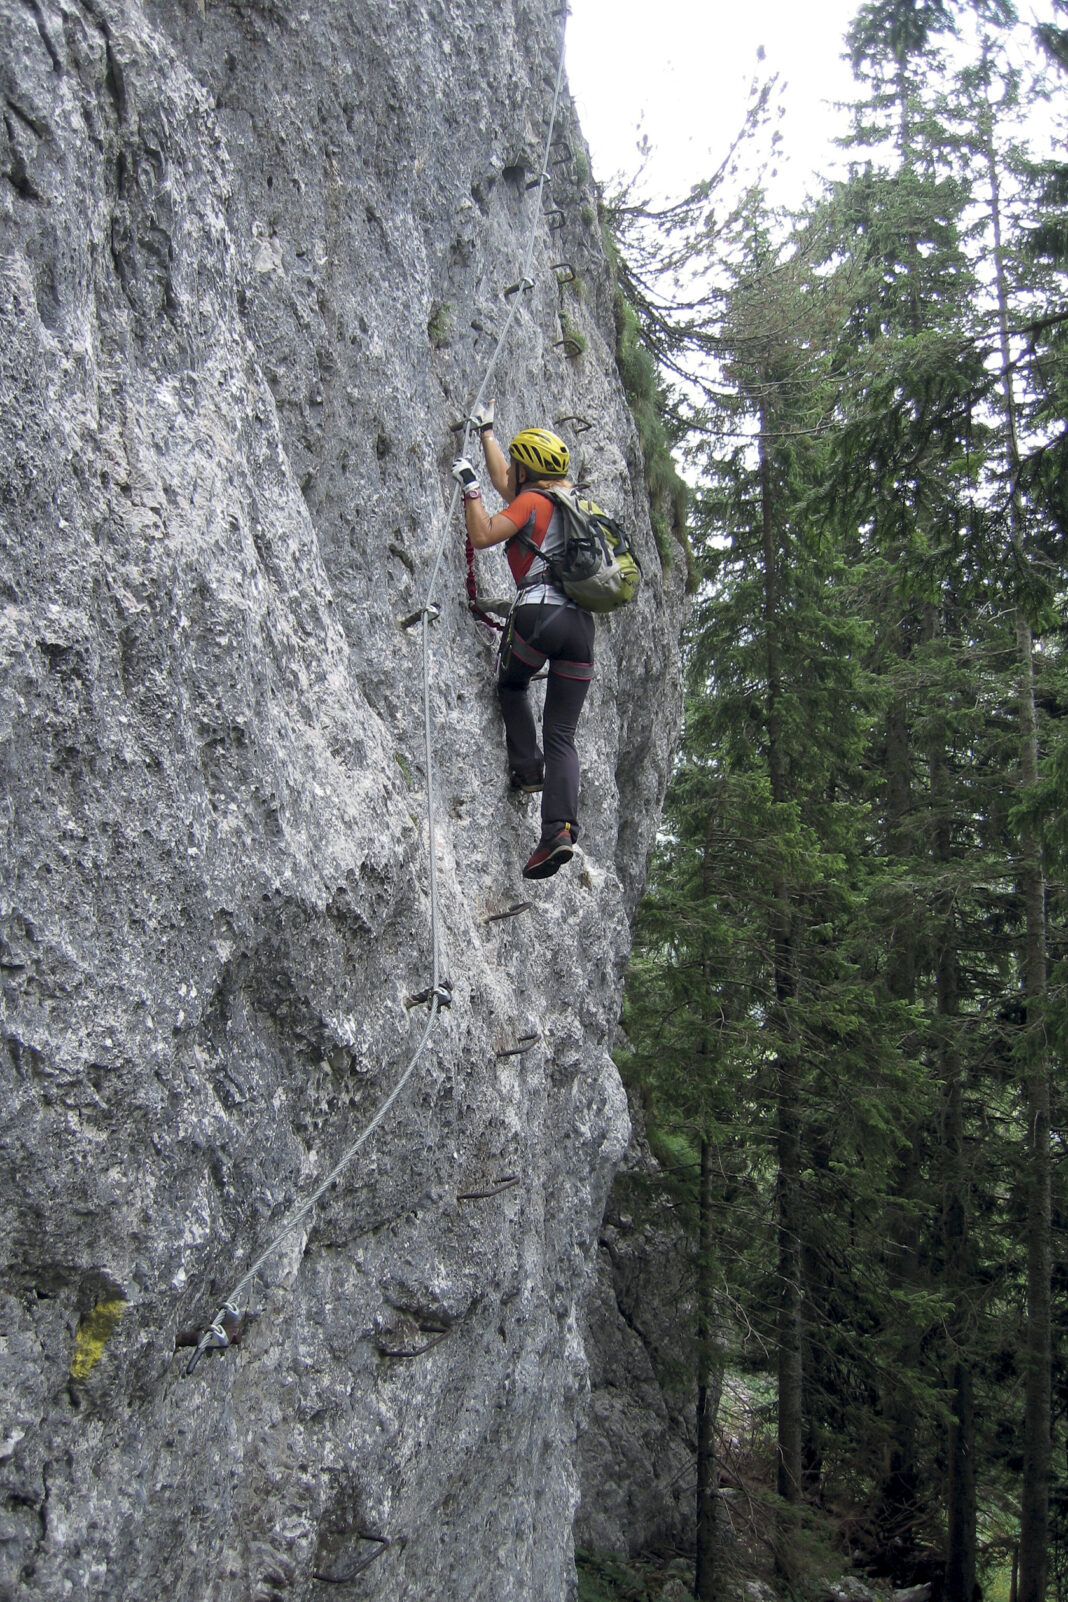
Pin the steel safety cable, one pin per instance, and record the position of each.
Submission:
(526, 283)
(216, 1334)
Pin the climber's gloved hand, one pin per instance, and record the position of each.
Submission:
(482, 417)
(467, 478)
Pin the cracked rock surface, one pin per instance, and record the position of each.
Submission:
(637, 1448)
(252, 263)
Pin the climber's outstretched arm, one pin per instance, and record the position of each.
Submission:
(482, 530)
(496, 462)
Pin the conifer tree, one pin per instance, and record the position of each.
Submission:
(766, 972)
(835, 970)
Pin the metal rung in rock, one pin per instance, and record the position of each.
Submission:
(513, 912)
(497, 1187)
(532, 183)
(579, 425)
(526, 1043)
(565, 267)
(381, 1543)
(514, 289)
(569, 345)
(437, 1336)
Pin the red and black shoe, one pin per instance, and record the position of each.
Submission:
(551, 854)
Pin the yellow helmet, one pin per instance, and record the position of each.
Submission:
(543, 453)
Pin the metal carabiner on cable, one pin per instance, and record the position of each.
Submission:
(224, 1330)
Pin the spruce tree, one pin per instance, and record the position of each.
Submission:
(838, 974)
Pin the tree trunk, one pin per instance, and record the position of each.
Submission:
(790, 1430)
(961, 1551)
(1034, 1057)
(1038, 1346)
(960, 1493)
(956, 1205)
(790, 1324)
(709, 1391)
(896, 1507)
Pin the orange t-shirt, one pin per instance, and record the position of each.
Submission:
(531, 513)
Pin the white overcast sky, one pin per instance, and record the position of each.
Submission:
(680, 72)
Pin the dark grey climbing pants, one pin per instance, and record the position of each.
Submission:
(563, 637)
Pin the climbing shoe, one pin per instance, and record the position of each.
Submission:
(529, 783)
(551, 854)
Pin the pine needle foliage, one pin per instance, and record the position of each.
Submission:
(831, 1017)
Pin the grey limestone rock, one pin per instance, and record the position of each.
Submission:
(637, 1451)
(252, 263)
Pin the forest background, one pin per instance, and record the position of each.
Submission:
(845, 1013)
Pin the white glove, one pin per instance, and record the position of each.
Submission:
(482, 417)
(467, 478)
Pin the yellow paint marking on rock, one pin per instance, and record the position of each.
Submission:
(94, 1332)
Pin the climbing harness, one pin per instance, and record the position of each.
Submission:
(224, 1329)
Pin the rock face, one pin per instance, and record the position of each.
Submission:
(637, 1450)
(252, 263)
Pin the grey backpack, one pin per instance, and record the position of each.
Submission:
(596, 568)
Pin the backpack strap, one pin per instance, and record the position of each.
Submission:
(522, 538)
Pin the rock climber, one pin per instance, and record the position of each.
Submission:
(543, 626)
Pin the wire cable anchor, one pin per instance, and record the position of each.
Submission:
(431, 611)
(223, 1331)
(441, 993)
